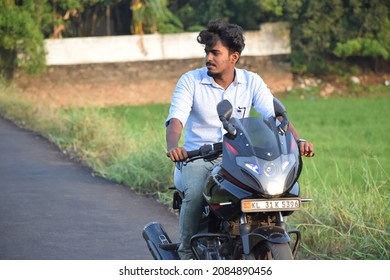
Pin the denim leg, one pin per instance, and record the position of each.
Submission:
(193, 176)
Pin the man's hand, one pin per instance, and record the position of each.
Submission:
(306, 148)
(177, 154)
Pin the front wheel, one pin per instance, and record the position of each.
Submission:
(266, 250)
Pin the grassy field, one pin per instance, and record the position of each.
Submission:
(348, 179)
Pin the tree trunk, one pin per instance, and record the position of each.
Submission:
(108, 20)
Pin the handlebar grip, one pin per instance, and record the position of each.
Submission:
(202, 151)
(193, 153)
(205, 150)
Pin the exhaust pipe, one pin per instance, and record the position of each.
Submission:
(159, 243)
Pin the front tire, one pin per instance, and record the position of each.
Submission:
(266, 250)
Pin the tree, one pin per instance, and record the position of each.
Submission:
(21, 39)
(319, 29)
(195, 14)
(251, 13)
(152, 16)
(344, 28)
(370, 33)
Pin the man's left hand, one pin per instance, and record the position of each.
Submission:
(306, 148)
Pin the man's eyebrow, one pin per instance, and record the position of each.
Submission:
(211, 50)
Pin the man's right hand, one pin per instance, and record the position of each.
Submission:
(177, 154)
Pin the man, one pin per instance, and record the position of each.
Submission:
(193, 106)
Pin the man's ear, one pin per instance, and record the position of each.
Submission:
(235, 57)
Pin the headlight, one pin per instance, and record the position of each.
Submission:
(271, 176)
(254, 167)
(271, 169)
(274, 187)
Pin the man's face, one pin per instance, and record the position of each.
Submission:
(218, 60)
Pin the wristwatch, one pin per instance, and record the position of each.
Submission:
(301, 140)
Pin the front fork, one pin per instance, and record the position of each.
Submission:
(277, 233)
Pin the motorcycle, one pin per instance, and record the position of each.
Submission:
(247, 196)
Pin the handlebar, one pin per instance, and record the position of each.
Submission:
(193, 153)
(207, 152)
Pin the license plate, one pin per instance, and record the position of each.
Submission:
(267, 205)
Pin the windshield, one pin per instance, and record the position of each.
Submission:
(262, 137)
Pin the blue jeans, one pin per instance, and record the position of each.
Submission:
(193, 178)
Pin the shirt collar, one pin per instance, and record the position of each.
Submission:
(238, 79)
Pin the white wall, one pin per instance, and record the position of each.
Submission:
(272, 39)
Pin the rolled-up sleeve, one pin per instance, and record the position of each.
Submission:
(182, 99)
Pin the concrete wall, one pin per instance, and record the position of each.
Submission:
(271, 39)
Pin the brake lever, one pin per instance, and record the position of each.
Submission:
(188, 160)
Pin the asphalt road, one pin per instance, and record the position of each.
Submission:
(52, 208)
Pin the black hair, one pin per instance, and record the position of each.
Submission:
(231, 35)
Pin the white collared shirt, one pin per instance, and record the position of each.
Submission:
(195, 98)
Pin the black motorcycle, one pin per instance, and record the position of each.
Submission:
(247, 197)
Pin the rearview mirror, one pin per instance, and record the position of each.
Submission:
(280, 111)
(225, 110)
(279, 108)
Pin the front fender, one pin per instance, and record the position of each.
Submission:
(272, 234)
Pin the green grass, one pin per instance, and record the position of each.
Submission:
(348, 179)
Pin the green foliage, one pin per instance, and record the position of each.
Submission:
(23, 27)
(343, 28)
(361, 47)
(319, 29)
(21, 40)
(194, 13)
(157, 17)
(247, 13)
(195, 28)
(254, 12)
(312, 31)
(273, 6)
